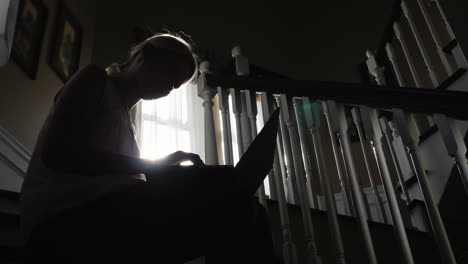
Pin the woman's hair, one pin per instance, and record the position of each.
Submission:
(167, 41)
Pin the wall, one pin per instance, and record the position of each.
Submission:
(25, 103)
(325, 42)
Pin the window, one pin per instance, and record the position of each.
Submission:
(170, 124)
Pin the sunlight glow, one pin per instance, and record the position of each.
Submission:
(163, 126)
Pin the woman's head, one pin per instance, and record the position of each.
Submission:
(159, 64)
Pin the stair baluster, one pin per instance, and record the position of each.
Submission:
(287, 116)
(447, 66)
(267, 104)
(245, 127)
(223, 105)
(431, 205)
(237, 109)
(278, 187)
(370, 120)
(326, 189)
(333, 110)
(384, 124)
(313, 122)
(305, 152)
(207, 93)
(379, 203)
(444, 18)
(422, 48)
(414, 73)
(291, 185)
(454, 144)
(249, 112)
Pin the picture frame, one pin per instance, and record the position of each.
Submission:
(29, 32)
(66, 43)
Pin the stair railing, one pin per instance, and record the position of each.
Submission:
(300, 146)
(454, 64)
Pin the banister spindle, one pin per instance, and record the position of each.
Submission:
(238, 101)
(444, 18)
(431, 205)
(252, 111)
(379, 203)
(414, 73)
(267, 104)
(454, 144)
(299, 178)
(331, 108)
(422, 48)
(372, 64)
(436, 38)
(246, 130)
(291, 185)
(326, 189)
(385, 125)
(237, 110)
(370, 120)
(305, 150)
(223, 103)
(313, 123)
(241, 67)
(391, 57)
(249, 107)
(207, 93)
(285, 181)
(313, 127)
(277, 189)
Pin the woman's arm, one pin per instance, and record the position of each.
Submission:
(70, 144)
(96, 162)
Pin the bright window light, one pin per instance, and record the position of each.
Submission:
(165, 125)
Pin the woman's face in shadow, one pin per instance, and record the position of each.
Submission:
(158, 71)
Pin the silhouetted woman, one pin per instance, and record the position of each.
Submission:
(86, 197)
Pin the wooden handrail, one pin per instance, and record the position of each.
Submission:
(421, 100)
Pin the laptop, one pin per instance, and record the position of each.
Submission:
(257, 161)
(248, 174)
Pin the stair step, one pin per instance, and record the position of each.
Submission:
(449, 47)
(428, 133)
(450, 80)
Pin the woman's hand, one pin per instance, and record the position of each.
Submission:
(178, 157)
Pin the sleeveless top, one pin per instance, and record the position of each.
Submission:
(47, 192)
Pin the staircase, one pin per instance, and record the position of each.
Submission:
(364, 173)
(409, 116)
(386, 246)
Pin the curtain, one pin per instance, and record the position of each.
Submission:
(171, 123)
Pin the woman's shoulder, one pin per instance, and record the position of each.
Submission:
(89, 72)
(87, 82)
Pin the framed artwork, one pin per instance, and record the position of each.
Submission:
(66, 44)
(30, 28)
